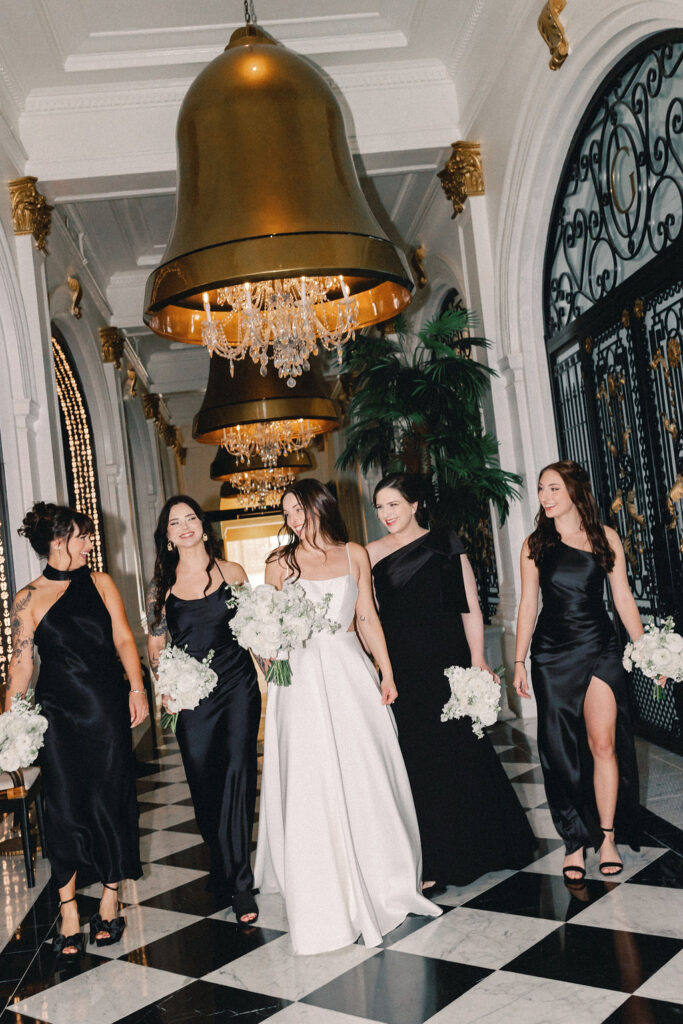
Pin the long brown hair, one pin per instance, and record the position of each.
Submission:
(545, 536)
(167, 561)
(318, 504)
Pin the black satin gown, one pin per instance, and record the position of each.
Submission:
(87, 763)
(470, 819)
(573, 641)
(218, 738)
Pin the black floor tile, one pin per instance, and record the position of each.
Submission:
(146, 768)
(203, 1002)
(544, 847)
(516, 754)
(666, 871)
(397, 988)
(637, 1010)
(185, 803)
(148, 786)
(44, 970)
(191, 898)
(597, 956)
(658, 828)
(535, 895)
(197, 857)
(202, 947)
(533, 775)
(190, 826)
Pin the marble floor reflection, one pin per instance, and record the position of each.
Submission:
(515, 946)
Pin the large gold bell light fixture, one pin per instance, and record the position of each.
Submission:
(260, 417)
(274, 250)
(260, 486)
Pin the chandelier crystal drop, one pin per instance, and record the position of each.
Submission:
(269, 440)
(261, 488)
(284, 319)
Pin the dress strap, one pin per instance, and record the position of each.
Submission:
(220, 571)
(348, 556)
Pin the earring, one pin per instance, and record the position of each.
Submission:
(170, 545)
(204, 538)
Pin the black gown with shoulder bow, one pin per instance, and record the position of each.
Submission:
(218, 738)
(87, 763)
(470, 819)
(573, 641)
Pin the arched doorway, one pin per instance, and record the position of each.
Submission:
(613, 312)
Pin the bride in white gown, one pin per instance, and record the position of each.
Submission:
(338, 835)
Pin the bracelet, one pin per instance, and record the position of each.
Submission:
(518, 662)
(138, 691)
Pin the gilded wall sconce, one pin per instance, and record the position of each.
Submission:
(553, 33)
(462, 174)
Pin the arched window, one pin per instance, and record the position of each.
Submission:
(613, 310)
(79, 448)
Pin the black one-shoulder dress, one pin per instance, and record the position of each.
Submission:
(218, 738)
(573, 641)
(87, 763)
(470, 819)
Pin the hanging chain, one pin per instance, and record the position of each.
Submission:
(247, 12)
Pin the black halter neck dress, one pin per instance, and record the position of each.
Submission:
(217, 739)
(87, 763)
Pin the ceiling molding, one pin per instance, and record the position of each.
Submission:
(465, 35)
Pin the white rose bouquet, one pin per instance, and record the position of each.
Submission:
(21, 733)
(474, 693)
(184, 680)
(658, 652)
(272, 623)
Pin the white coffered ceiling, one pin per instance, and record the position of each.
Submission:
(90, 91)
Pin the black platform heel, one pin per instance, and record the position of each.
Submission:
(114, 928)
(610, 863)
(243, 903)
(61, 942)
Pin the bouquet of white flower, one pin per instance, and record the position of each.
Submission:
(658, 652)
(474, 692)
(272, 623)
(21, 733)
(184, 680)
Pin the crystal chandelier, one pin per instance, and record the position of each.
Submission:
(291, 316)
(269, 440)
(261, 488)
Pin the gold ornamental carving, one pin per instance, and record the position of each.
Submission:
(553, 33)
(77, 294)
(418, 265)
(169, 434)
(150, 405)
(31, 212)
(462, 174)
(112, 342)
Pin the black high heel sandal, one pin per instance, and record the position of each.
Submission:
(61, 942)
(610, 863)
(114, 928)
(243, 903)
(579, 880)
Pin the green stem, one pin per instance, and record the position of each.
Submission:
(279, 673)
(169, 721)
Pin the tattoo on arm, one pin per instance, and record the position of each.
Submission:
(22, 635)
(155, 628)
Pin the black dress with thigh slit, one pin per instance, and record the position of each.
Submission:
(573, 641)
(217, 739)
(87, 763)
(470, 819)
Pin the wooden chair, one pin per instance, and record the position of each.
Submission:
(18, 790)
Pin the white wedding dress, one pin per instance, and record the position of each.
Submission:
(338, 835)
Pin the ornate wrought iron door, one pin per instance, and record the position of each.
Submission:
(614, 329)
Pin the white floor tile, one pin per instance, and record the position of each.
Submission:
(272, 912)
(456, 895)
(666, 983)
(542, 823)
(530, 794)
(176, 773)
(160, 844)
(166, 816)
(506, 998)
(143, 926)
(637, 908)
(103, 995)
(302, 1013)
(166, 794)
(514, 768)
(156, 878)
(482, 938)
(274, 970)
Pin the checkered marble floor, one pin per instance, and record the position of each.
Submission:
(516, 946)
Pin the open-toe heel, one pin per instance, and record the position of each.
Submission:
(580, 872)
(610, 863)
(114, 927)
(243, 904)
(62, 942)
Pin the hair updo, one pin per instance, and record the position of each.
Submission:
(46, 522)
(411, 487)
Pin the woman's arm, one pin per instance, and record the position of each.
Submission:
(368, 624)
(473, 620)
(526, 619)
(124, 642)
(157, 632)
(21, 663)
(626, 607)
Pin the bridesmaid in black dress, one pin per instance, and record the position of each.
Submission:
(585, 739)
(470, 819)
(186, 607)
(76, 619)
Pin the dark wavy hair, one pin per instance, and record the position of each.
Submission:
(318, 504)
(545, 536)
(411, 487)
(46, 522)
(167, 561)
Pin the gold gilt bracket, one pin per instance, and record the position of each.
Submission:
(31, 212)
(553, 33)
(462, 174)
(169, 434)
(77, 294)
(112, 342)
